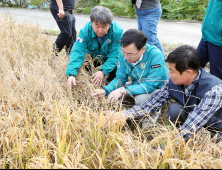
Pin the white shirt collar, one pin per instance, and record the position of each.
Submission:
(135, 63)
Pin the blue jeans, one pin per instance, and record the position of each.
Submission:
(147, 22)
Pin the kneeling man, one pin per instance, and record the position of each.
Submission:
(197, 93)
(143, 63)
(101, 39)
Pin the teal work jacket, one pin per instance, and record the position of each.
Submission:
(148, 75)
(87, 41)
(212, 23)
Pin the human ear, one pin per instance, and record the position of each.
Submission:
(143, 49)
(189, 72)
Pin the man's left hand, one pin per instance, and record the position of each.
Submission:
(98, 78)
(114, 96)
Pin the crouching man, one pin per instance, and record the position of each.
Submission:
(101, 39)
(197, 93)
(143, 63)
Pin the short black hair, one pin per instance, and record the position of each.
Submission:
(134, 36)
(185, 57)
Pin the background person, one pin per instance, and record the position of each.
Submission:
(143, 63)
(62, 11)
(197, 93)
(148, 15)
(101, 39)
(210, 46)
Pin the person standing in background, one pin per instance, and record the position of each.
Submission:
(148, 15)
(62, 11)
(210, 46)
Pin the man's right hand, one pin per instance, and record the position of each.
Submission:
(71, 81)
(61, 13)
(97, 93)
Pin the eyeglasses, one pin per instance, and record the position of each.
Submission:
(130, 55)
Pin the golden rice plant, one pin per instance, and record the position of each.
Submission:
(42, 126)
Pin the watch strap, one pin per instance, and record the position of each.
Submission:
(123, 90)
(71, 75)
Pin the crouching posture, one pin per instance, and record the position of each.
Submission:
(197, 93)
(101, 39)
(143, 63)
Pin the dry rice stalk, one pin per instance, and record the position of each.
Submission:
(41, 126)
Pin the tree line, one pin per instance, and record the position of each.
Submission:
(172, 9)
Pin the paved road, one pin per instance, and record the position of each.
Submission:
(169, 32)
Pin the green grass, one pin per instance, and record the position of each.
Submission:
(52, 32)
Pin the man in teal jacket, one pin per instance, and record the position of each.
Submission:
(143, 63)
(101, 39)
(210, 47)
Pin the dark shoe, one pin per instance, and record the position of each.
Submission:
(128, 100)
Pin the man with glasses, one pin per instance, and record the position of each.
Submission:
(143, 63)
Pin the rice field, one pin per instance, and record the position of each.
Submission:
(42, 126)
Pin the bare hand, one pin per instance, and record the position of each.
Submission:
(71, 81)
(98, 78)
(114, 96)
(61, 13)
(96, 94)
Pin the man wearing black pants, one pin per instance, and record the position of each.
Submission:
(210, 46)
(62, 11)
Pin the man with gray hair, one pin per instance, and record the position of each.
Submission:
(101, 39)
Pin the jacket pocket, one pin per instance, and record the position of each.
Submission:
(91, 48)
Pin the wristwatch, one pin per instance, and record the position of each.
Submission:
(71, 75)
(122, 90)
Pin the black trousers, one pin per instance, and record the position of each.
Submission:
(67, 37)
(209, 52)
(175, 110)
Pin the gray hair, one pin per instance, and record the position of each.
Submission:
(101, 14)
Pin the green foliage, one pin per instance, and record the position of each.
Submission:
(184, 9)
(129, 9)
(38, 3)
(119, 8)
(172, 9)
(85, 10)
(86, 3)
(85, 6)
(18, 3)
(25, 3)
